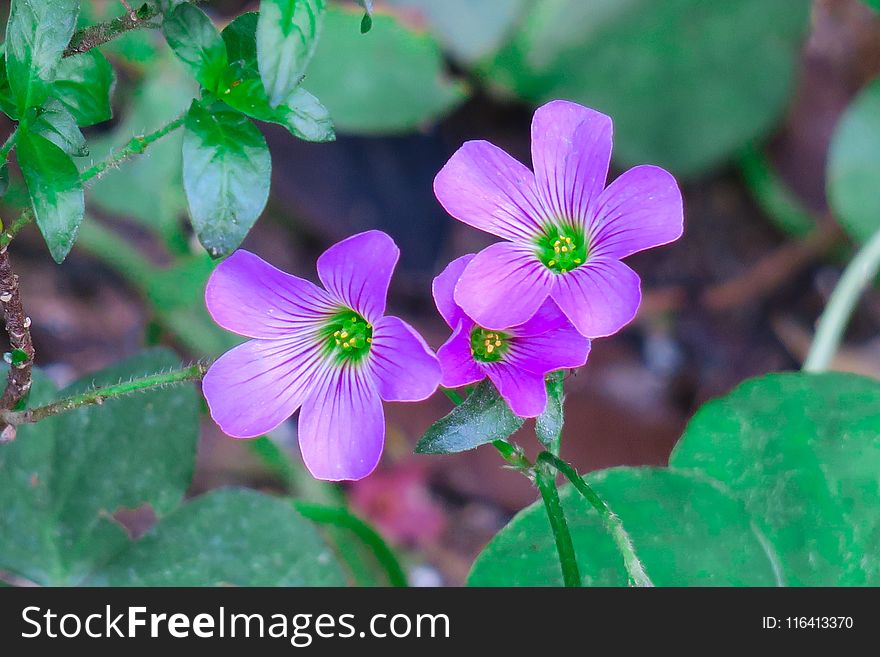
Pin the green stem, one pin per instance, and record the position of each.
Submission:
(858, 275)
(95, 35)
(136, 146)
(100, 395)
(611, 520)
(453, 396)
(341, 517)
(8, 145)
(23, 220)
(545, 480)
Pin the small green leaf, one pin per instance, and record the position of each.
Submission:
(36, 34)
(287, 35)
(4, 178)
(54, 122)
(306, 117)
(55, 191)
(873, 4)
(854, 166)
(366, 23)
(226, 174)
(16, 357)
(548, 425)
(83, 84)
(482, 418)
(240, 37)
(197, 43)
(227, 538)
(7, 102)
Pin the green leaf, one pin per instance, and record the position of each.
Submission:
(55, 122)
(83, 84)
(854, 166)
(226, 174)
(802, 451)
(548, 425)
(391, 80)
(873, 4)
(55, 190)
(287, 34)
(7, 102)
(240, 37)
(36, 34)
(482, 418)
(685, 530)
(687, 82)
(227, 537)
(65, 476)
(197, 43)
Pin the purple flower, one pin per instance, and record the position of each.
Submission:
(330, 351)
(565, 231)
(516, 359)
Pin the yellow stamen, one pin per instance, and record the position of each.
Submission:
(551, 263)
(564, 249)
(344, 334)
(489, 348)
(497, 343)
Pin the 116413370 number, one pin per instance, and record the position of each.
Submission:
(808, 622)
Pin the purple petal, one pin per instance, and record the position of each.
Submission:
(256, 386)
(503, 286)
(639, 210)
(444, 287)
(341, 425)
(358, 271)
(525, 392)
(484, 187)
(247, 295)
(457, 361)
(404, 367)
(599, 297)
(554, 350)
(571, 150)
(547, 318)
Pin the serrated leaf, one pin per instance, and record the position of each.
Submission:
(548, 425)
(287, 35)
(83, 84)
(55, 191)
(482, 418)
(197, 43)
(54, 122)
(226, 175)
(36, 34)
(227, 538)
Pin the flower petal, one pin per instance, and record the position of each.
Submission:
(457, 361)
(444, 287)
(571, 151)
(503, 286)
(599, 297)
(256, 386)
(639, 210)
(484, 187)
(247, 295)
(341, 425)
(404, 367)
(548, 318)
(554, 350)
(357, 271)
(525, 392)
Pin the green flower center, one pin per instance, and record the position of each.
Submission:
(562, 248)
(349, 336)
(488, 346)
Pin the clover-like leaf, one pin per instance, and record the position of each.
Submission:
(83, 84)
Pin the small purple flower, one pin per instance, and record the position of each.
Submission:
(330, 351)
(516, 359)
(566, 232)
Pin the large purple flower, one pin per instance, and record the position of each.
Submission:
(517, 359)
(330, 351)
(566, 232)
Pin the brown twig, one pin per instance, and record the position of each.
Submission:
(18, 327)
(95, 35)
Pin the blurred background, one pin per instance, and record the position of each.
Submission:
(740, 99)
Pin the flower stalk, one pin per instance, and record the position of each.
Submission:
(18, 382)
(545, 480)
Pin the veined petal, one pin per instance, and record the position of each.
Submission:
(256, 386)
(247, 295)
(571, 151)
(404, 367)
(341, 425)
(503, 286)
(599, 297)
(525, 392)
(639, 210)
(357, 271)
(547, 318)
(484, 187)
(456, 360)
(558, 349)
(444, 288)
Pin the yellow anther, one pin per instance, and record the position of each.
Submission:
(556, 249)
(551, 263)
(345, 345)
(564, 249)
(344, 334)
(577, 261)
(557, 243)
(354, 320)
(490, 348)
(336, 334)
(568, 239)
(369, 340)
(497, 343)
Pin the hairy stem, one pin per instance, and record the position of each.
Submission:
(95, 35)
(613, 525)
(858, 275)
(545, 480)
(8, 145)
(100, 395)
(23, 220)
(18, 382)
